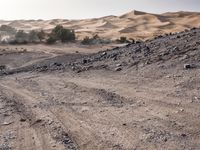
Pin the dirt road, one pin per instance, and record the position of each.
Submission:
(97, 110)
(152, 107)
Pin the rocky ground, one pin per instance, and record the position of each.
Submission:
(141, 96)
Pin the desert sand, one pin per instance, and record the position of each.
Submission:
(135, 24)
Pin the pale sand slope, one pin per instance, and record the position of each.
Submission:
(134, 24)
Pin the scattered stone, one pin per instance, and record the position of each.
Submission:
(85, 61)
(37, 121)
(118, 69)
(196, 98)
(175, 49)
(183, 135)
(2, 67)
(22, 120)
(57, 64)
(7, 123)
(103, 54)
(124, 124)
(165, 139)
(118, 65)
(187, 66)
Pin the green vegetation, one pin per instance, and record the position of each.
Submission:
(51, 39)
(87, 41)
(21, 37)
(33, 37)
(123, 39)
(63, 34)
(10, 35)
(41, 35)
(8, 29)
(95, 40)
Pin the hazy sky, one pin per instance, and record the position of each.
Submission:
(76, 9)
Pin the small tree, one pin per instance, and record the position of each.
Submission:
(67, 35)
(8, 29)
(51, 39)
(63, 34)
(21, 37)
(41, 35)
(86, 41)
(57, 30)
(33, 36)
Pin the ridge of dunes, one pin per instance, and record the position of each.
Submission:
(134, 24)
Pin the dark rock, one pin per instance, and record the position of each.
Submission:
(22, 120)
(2, 67)
(183, 135)
(175, 49)
(187, 66)
(124, 124)
(118, 65)
(85, 61)
(57, 64)
(103, 54)
(118, 69)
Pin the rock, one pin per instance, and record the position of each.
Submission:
(103, 54)
(183, 135)
(57, 64)
(7, 123)
(118, 69)
(196, 98)
(2, 67)
(115, 58)
(118, 65)
(22, 120)
(187, 66)
(175, 49)
(85, 61)
(184, 57)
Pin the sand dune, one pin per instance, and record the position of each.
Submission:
(134, 24)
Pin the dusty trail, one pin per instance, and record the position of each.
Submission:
(79, 101)
(95, 112)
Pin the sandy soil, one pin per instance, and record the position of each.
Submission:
(134, 24)
(150, 105)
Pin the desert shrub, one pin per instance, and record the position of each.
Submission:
(123, 39)
(7, 33)
(132, 40)
(21, 37)
(41, 35)
(33, 37)
(51, 39)
(63, 34)
(95, 40)
(8, 29)
(67, 35)
(96, 36)
(86, 41)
